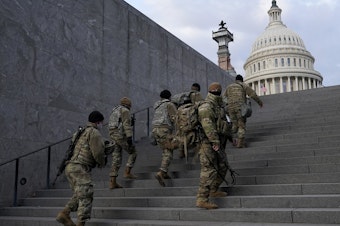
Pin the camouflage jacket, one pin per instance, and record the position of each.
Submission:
(212, 118)
(90, 148)
(237, 92)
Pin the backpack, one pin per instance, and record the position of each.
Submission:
(187, 118)
(187, 126)
(161, 117)
(181, 98)
(115, 120)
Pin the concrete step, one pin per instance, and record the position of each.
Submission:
(238, 190)
(269, 215)
(263, 201)
(50, 221)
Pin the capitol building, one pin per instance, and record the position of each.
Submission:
(279, 61)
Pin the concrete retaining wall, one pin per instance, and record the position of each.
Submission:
(59, 60)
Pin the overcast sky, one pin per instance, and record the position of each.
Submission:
(192, 21)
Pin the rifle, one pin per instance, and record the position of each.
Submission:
(223, 156)
(69, 153)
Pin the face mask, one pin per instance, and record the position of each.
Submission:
(99, 126)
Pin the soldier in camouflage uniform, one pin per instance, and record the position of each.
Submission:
(214, 164)
(120, 129)
(236, 95)
(195, 97)
(89, 152)
(163, 132)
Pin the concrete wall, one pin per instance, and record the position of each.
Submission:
(61, 59)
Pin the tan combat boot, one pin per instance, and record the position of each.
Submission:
(114, 184)
(128, 174)
(218, 194)
(80, 224)
(206, 205)
(64, 218)
(160, 177)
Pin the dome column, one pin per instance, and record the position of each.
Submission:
(296, 83)
(288, 83)
(303, 83)
(266, 86)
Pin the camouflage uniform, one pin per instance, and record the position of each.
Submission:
(163, 132)
(214, 164)
(88, 152)
(236, 95)
(119, 134)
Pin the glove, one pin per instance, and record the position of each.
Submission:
(129, 141)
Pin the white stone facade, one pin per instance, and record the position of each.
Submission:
(279, 61)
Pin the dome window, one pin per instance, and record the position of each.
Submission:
(282, 62)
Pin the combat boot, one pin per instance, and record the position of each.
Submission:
(218, 194)
(241, 143)
(206, 205)
(128, 174)
(166, 176)
(64, 218)
(80, 224)
(114, 184)
(160, 177)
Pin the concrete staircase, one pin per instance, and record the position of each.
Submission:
(288, 175)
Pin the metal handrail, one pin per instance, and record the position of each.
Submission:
(49, 148)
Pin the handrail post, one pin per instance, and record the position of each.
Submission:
(148, 122)
(16, 182)
(48, 167)
(133, 127)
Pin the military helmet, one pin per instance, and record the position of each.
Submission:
(215, 87)
(125, 102)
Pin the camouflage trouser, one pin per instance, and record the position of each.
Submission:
(165, 140)
(238, 122)
(79, 178)
(210, 178)
(120, 145)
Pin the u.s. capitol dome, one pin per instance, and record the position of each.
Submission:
(279, 61)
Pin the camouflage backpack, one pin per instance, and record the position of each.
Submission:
(181, 98)
(188, 126)
(187, 118)
(115, 120)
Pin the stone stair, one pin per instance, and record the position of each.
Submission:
(288, 175)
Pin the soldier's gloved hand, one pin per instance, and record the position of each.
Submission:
(129, 141)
